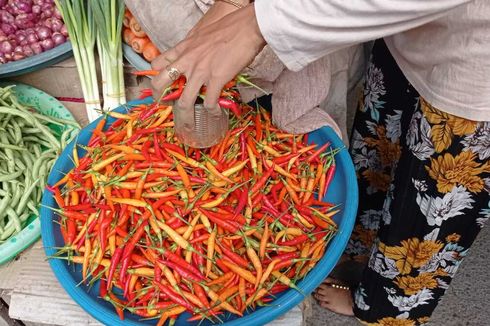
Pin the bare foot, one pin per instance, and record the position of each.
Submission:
(333, 298)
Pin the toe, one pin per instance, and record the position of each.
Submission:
(329, 280)
(321, 298)
(324, 291)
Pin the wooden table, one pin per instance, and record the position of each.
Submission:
(31, 293)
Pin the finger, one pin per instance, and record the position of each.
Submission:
(164, 59)
(213, 93)
(160, 82)
(185, 105)
(191, 91)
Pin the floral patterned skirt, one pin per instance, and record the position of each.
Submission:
(424, 195)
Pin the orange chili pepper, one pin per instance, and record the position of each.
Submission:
(247, 275)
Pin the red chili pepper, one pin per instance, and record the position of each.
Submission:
(173, 147)
(94, 142)
(199, 259)
(128, 249)
(102, 288)
(124, 267)
(315, 154)
(145, 150)
(243, 147)
(328, 178)
(116, 257)
(104, 224)
(144, 93)
(121, 232)
(278, 288)
(156, 147)
(284, 159)
(230, 226)
(274, 191)
(222, 266)
(230, 84)
(200, 238)
(261, 182)
(74, 215)
(146, 297)
(158, 273)
(140, 260)
(175, 297)
(175, 95)
(148, 112)
(201, 294)
(183, 272)
(126, 287)
(257, 200)
(235, 258)
(182, 262)
(161, 305)
(293, 242)
(269, 205)
(231, 105)
(146, 131)
(242, 202)
(283, 257)
(79, 207)
(71, 230)
(258, 128)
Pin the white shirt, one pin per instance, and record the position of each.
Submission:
(442, 46)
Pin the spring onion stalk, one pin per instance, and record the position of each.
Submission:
(108, 16)
(79, 21)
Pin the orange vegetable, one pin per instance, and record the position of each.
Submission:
(136, 28)
(128, 36)
(150, 52)
(127, 18)
(139, 43)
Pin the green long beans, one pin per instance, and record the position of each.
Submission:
(28, 150)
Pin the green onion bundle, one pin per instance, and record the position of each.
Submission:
(108, 16)
(97, 21)
(79, 21)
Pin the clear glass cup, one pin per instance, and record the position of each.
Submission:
(202, 128)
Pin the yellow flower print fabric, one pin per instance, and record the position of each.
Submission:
(424, 182)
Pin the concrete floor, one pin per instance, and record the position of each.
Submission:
(466, 301)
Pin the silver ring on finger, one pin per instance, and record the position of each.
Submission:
(173, 73)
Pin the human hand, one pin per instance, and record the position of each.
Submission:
(211, 56)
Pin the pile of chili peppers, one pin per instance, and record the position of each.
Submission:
(229, 97)
(166, 229)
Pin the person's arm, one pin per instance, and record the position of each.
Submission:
(217, 11)
(302, 31)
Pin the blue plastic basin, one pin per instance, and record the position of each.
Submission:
(343, 191)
